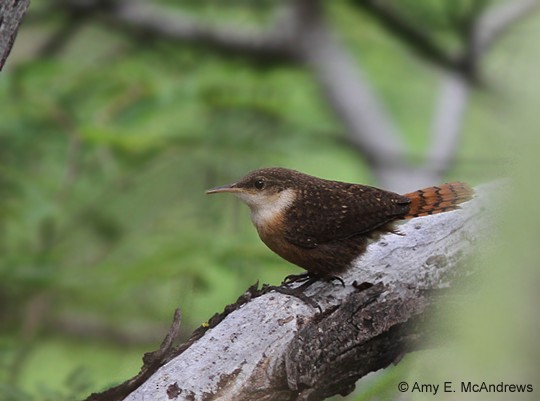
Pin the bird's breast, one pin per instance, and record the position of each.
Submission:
(273, 235)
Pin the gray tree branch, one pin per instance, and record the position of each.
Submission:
(368, 125)
(263, 44)
(275, 347)
(11, 15)
(497, 20)
(447, 126)
(418, 40)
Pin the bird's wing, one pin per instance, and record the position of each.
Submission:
(339, 212)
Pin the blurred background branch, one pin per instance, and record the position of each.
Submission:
(496, 21)
(300, 33)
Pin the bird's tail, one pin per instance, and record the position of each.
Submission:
(442, 198)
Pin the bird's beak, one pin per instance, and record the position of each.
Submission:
(224, 188)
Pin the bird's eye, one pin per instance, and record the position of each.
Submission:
(259, 184)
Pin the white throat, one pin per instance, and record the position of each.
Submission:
(265, 209)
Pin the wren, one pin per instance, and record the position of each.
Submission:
(322, 225)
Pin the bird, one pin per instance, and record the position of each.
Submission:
(322, 225)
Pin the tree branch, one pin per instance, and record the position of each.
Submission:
(368, 125)
(11, 15)
(418, 40)
(494, 22)
(152, 361)
(262, 44)
(271, 346)
(448, 123)
(497, 20)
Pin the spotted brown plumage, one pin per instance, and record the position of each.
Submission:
(323, 225)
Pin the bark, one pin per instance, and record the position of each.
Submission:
(11, 15)
(271, 346)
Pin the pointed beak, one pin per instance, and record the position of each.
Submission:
(224, 188)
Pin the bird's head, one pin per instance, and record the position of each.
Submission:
(268, 192)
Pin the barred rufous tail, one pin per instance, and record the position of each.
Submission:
(438, 199)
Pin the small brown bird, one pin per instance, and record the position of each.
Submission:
(322, 225)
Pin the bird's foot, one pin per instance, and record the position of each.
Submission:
(297, 292)
(309, 278)
(307, 281)
(335, 278)
(296, 278)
